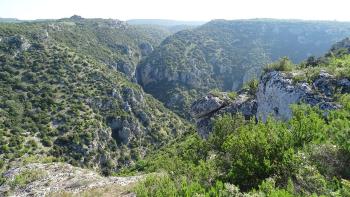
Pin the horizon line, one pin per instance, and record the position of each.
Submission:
(181, 20)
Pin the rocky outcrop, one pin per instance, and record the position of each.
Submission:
(146, 48)
(328, 84)
(276, 92)
(127, 127)
(343, 44)
(125, 68)
(16, 43)
(207, 105)
(54, 178)
(206, 109)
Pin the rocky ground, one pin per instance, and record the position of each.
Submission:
(60, 179)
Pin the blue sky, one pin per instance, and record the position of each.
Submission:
(178, 9)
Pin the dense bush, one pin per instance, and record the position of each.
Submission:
(254, 152)
(307, 155)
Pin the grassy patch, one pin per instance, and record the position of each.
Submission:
(25, 177)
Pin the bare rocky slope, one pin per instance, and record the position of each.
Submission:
(61, 179)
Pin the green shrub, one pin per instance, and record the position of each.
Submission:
(284, 64)
(340, 123)
(254, 152)
(46, 141)
(345, 190)
(156, 186)
(307, 125)
(268, 188)
(310, 181)
(251, 86)
(25, 177)
(232, 95)
(164, 185)
(216, 93)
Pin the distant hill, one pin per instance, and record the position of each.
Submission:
(163, 22)
(9, 20)
(171, 25)
(225, 54)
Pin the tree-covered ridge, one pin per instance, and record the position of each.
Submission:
(113, 42)
(308, 155)
(57, 102)
(226, 54)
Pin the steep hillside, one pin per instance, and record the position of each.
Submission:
(110, 41)
(57, 100)
(225, 54)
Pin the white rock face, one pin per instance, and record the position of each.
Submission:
(276, 92)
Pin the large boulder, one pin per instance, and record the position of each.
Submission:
(325, 83)
(207, 108)
(345, 85)
(206, 105)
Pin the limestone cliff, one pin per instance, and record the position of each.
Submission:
(276, 92)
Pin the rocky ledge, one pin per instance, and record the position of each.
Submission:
(275, 93)
(206, 109)
(39, 179)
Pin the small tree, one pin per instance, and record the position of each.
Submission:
(284, 64)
